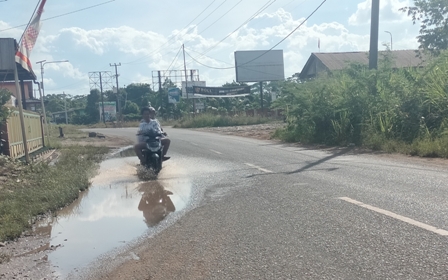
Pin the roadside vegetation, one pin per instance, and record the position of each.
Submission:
(37, 189)
(209, 120)
(393, 110)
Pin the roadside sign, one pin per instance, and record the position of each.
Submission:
(200, 105)
(173, 95)
(110, 110)
(189, 89)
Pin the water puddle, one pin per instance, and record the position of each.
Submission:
(115, 210)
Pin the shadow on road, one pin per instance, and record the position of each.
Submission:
(335, 155)
(312, 164)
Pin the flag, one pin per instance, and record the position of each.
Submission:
(29, 39)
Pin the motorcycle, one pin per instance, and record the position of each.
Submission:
(155, 203)
(153, 152)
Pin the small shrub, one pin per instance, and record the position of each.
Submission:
(207, 120)
(41, 188)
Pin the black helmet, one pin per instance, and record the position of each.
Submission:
(149, 109)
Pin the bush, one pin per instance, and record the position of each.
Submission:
(207, 120)
(5, 96)
(386, 109)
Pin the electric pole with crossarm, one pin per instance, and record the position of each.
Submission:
(118, 91)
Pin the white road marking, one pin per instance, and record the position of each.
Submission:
(219, 153)
(396, 216)
(259, 168)
(194, 144)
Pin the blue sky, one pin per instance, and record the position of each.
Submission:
(145, 36)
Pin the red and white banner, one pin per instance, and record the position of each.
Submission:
(29, 39)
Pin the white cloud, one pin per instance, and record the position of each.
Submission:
(389, 12)
(143, 46)
(127, 39)
(6, 31)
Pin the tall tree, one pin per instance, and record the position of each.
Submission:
(433, 15)
(138, 92)
(54, 102)
(5, 96)
(92, 109)
(131, 108)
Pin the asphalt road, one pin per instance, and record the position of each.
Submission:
(274, 211)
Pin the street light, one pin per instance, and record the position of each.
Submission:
(390, 39)
(42, 64)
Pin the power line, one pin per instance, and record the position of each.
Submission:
(210, 25)
(83, 9)
(175, 58)
(209, 56)
(211, 13)
(172, 37)
(227, 68)
(281, 41)
(220, 68)
(31, 18)
(264, 7)
(220, 17)
(295, 29)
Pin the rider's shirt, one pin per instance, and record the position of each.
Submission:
(144, 126)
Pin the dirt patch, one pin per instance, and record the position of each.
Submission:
(26, 258)
(102, 141)
(257, 131)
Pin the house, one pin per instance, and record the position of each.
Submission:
(328, 62)
(30, 102)
(8, 47)
(18, 126)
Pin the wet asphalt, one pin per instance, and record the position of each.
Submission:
(265, 210)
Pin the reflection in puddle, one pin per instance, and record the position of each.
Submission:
(156, 203)
(116, 209)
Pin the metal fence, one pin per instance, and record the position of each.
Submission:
(11, 136)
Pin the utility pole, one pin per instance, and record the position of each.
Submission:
(185, 68)
(374, 30)
(160, 88)
(118, 91)
(261, 98)
(186, 81)
(65, 107)
(391, 43)
(45, 124)
(102, 99)
(22, 119)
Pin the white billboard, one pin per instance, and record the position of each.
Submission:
(259, 66)
(190, 88)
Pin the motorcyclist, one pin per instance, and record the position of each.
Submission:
(150, 122)
(155, 203)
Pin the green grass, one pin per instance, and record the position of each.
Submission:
(40, 189)
(70, 131)
(218, 121)
(430, 148)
